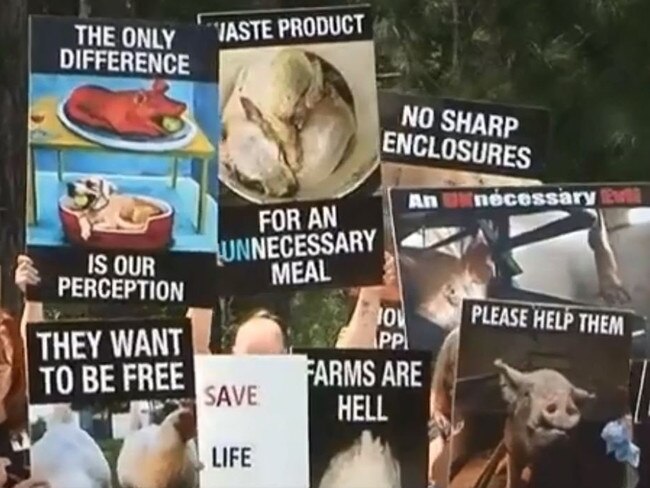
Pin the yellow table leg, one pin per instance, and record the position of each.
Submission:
(31, 188)
(175, 164)
(59, 165)
(203, 189)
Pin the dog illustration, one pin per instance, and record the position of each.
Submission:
(102, 207)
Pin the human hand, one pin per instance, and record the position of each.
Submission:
(4, 462)
(390, 270)
(388, 290)
(26, 274)
(32, 483)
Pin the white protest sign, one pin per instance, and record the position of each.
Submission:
(253, 421)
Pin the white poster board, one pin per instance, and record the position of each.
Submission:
(253, 421)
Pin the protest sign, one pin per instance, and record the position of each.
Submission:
(122, 192)
(121, 393)
(299, 150)
(110, 360)
(295, 246)
(464, 135)
(435, 142)
(368, 413)
(527, 391)
(576, 244)
(252, 420)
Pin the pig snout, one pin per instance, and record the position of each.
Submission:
(158, 105)
(559, 414)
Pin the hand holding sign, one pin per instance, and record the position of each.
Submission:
(26, 274)
(389, 290)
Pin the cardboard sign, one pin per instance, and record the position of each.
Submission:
(574, 244)
(368, 413)
(526, 377)
(122, 193)
(122, 390)
(252, 419)
(432, 142)
(299, 150)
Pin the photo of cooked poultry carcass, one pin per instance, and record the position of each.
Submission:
(292, 128)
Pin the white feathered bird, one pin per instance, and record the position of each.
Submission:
(367, 462)
(161, 456)
(67, 456)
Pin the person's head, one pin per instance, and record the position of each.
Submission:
(260, 333)
(12, 373)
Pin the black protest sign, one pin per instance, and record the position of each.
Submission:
(579, 244)
(291, 26)
(73, 276)
(391, 326)
(102, 47)
(299, 112)
(122, 182)
(531, 366)
(325, 244)
(464, 135)
(87, 361)
(375, 403)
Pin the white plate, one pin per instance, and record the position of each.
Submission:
(354, 61)
(109, 139)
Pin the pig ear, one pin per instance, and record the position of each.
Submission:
(250, 109)
(160, 86)
(580, 396)
(511, 381)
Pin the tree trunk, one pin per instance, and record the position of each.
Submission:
(13, 141)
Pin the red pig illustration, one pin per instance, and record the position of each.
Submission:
(125, 112)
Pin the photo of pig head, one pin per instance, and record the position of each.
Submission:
(439, 282)
(543, 408)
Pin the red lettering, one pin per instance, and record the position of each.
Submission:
(450, 199)
(457, 199)
(465, 199)
(231, 396)
(620, 196)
